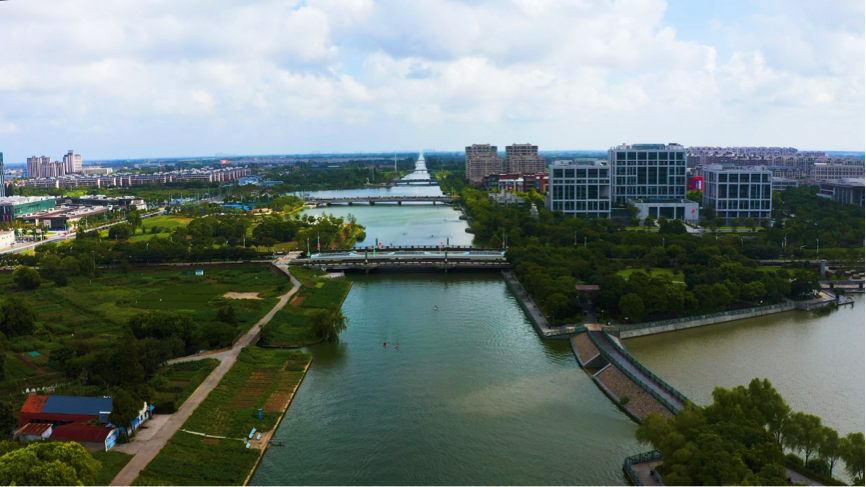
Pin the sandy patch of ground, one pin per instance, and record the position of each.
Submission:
(298, 300)
(234, 295)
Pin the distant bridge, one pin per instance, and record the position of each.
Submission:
(367, 260)
(416, 182)
(372, 200)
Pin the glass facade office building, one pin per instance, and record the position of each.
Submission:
(738, 192)
(579, 188)
(648, 171)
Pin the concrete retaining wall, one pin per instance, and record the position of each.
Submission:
(637, 332)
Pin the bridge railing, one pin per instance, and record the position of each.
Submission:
(674, 321)
(658, 380)
(635, 459)
(643, 385)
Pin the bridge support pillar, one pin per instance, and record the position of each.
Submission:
(400, 203)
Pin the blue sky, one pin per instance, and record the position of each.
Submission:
(116, 78)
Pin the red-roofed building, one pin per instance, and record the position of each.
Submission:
(93, 438)
(34, 431)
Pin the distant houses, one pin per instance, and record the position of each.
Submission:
(83, 420)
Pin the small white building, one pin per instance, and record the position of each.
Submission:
(34, 431)
(7, 238)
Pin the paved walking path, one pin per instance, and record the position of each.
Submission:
(150, 448)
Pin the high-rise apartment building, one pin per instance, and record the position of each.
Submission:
(42, 167)
(481, 160)
(654, 171)
(523, 159)
(738, 192)
(579, 188)
(72, 161)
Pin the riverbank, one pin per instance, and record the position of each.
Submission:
(534, 313)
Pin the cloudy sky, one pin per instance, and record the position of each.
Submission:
(162, 78)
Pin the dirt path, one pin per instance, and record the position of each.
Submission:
(152, 447)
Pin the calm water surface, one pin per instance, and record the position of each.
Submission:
(816, 363)
(473, 396)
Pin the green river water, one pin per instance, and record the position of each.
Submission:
(474, 396)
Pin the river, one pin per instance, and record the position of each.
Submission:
(474, 397)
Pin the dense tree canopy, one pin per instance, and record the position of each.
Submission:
(48, 463)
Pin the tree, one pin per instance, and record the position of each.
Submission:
(557, 304)
(830, 447)
(121, 231)
(648, 222)
(18, 317)
(125, 407)
(164, 325)
(218, 334)
(750, 224)
(853, 446)
(26, 277)
(8, 420)
(327, 324)
(631, 306)
(226, 314)
(735, 222)
(125, 266)
(49, 463)
(802, 432)
(130, 370)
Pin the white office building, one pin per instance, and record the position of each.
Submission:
(739, 192)
(580, 188)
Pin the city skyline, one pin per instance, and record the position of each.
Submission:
(117, 80)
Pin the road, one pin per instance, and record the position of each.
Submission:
(152, 447)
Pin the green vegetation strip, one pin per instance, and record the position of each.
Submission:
(260, 378)
(112, 463)
(175, 383)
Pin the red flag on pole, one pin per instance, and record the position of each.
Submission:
(693, 210)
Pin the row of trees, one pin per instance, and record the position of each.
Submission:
(739, 440)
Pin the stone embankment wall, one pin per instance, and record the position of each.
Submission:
(700, 321)
(585, 350)
(617, 386)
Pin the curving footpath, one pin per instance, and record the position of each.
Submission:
(153, 446)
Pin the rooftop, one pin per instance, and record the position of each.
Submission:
(35, 429)
(671, 146)
(17, 200)
(91, 406)
(81, 432)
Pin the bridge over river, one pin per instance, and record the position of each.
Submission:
(372, 200)
(416, 182)
(409, 260)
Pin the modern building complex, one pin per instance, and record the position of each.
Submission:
(13, 207)
(641, 171)
(843, 191)
(738, 192)
(42, 167)
(523, 159)
(580, 188)
(83, 420)
(481, 160)
(203, 175)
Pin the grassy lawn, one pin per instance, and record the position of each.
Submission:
(289, 328)
(260, 378)
(175, 383)
(112, 463)
(95, 310)
(656, 271)
(168, 222)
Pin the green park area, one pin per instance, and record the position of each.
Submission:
(92, 313)
(295, 324)
(674, 275)
(176, 382)
(260, 379)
